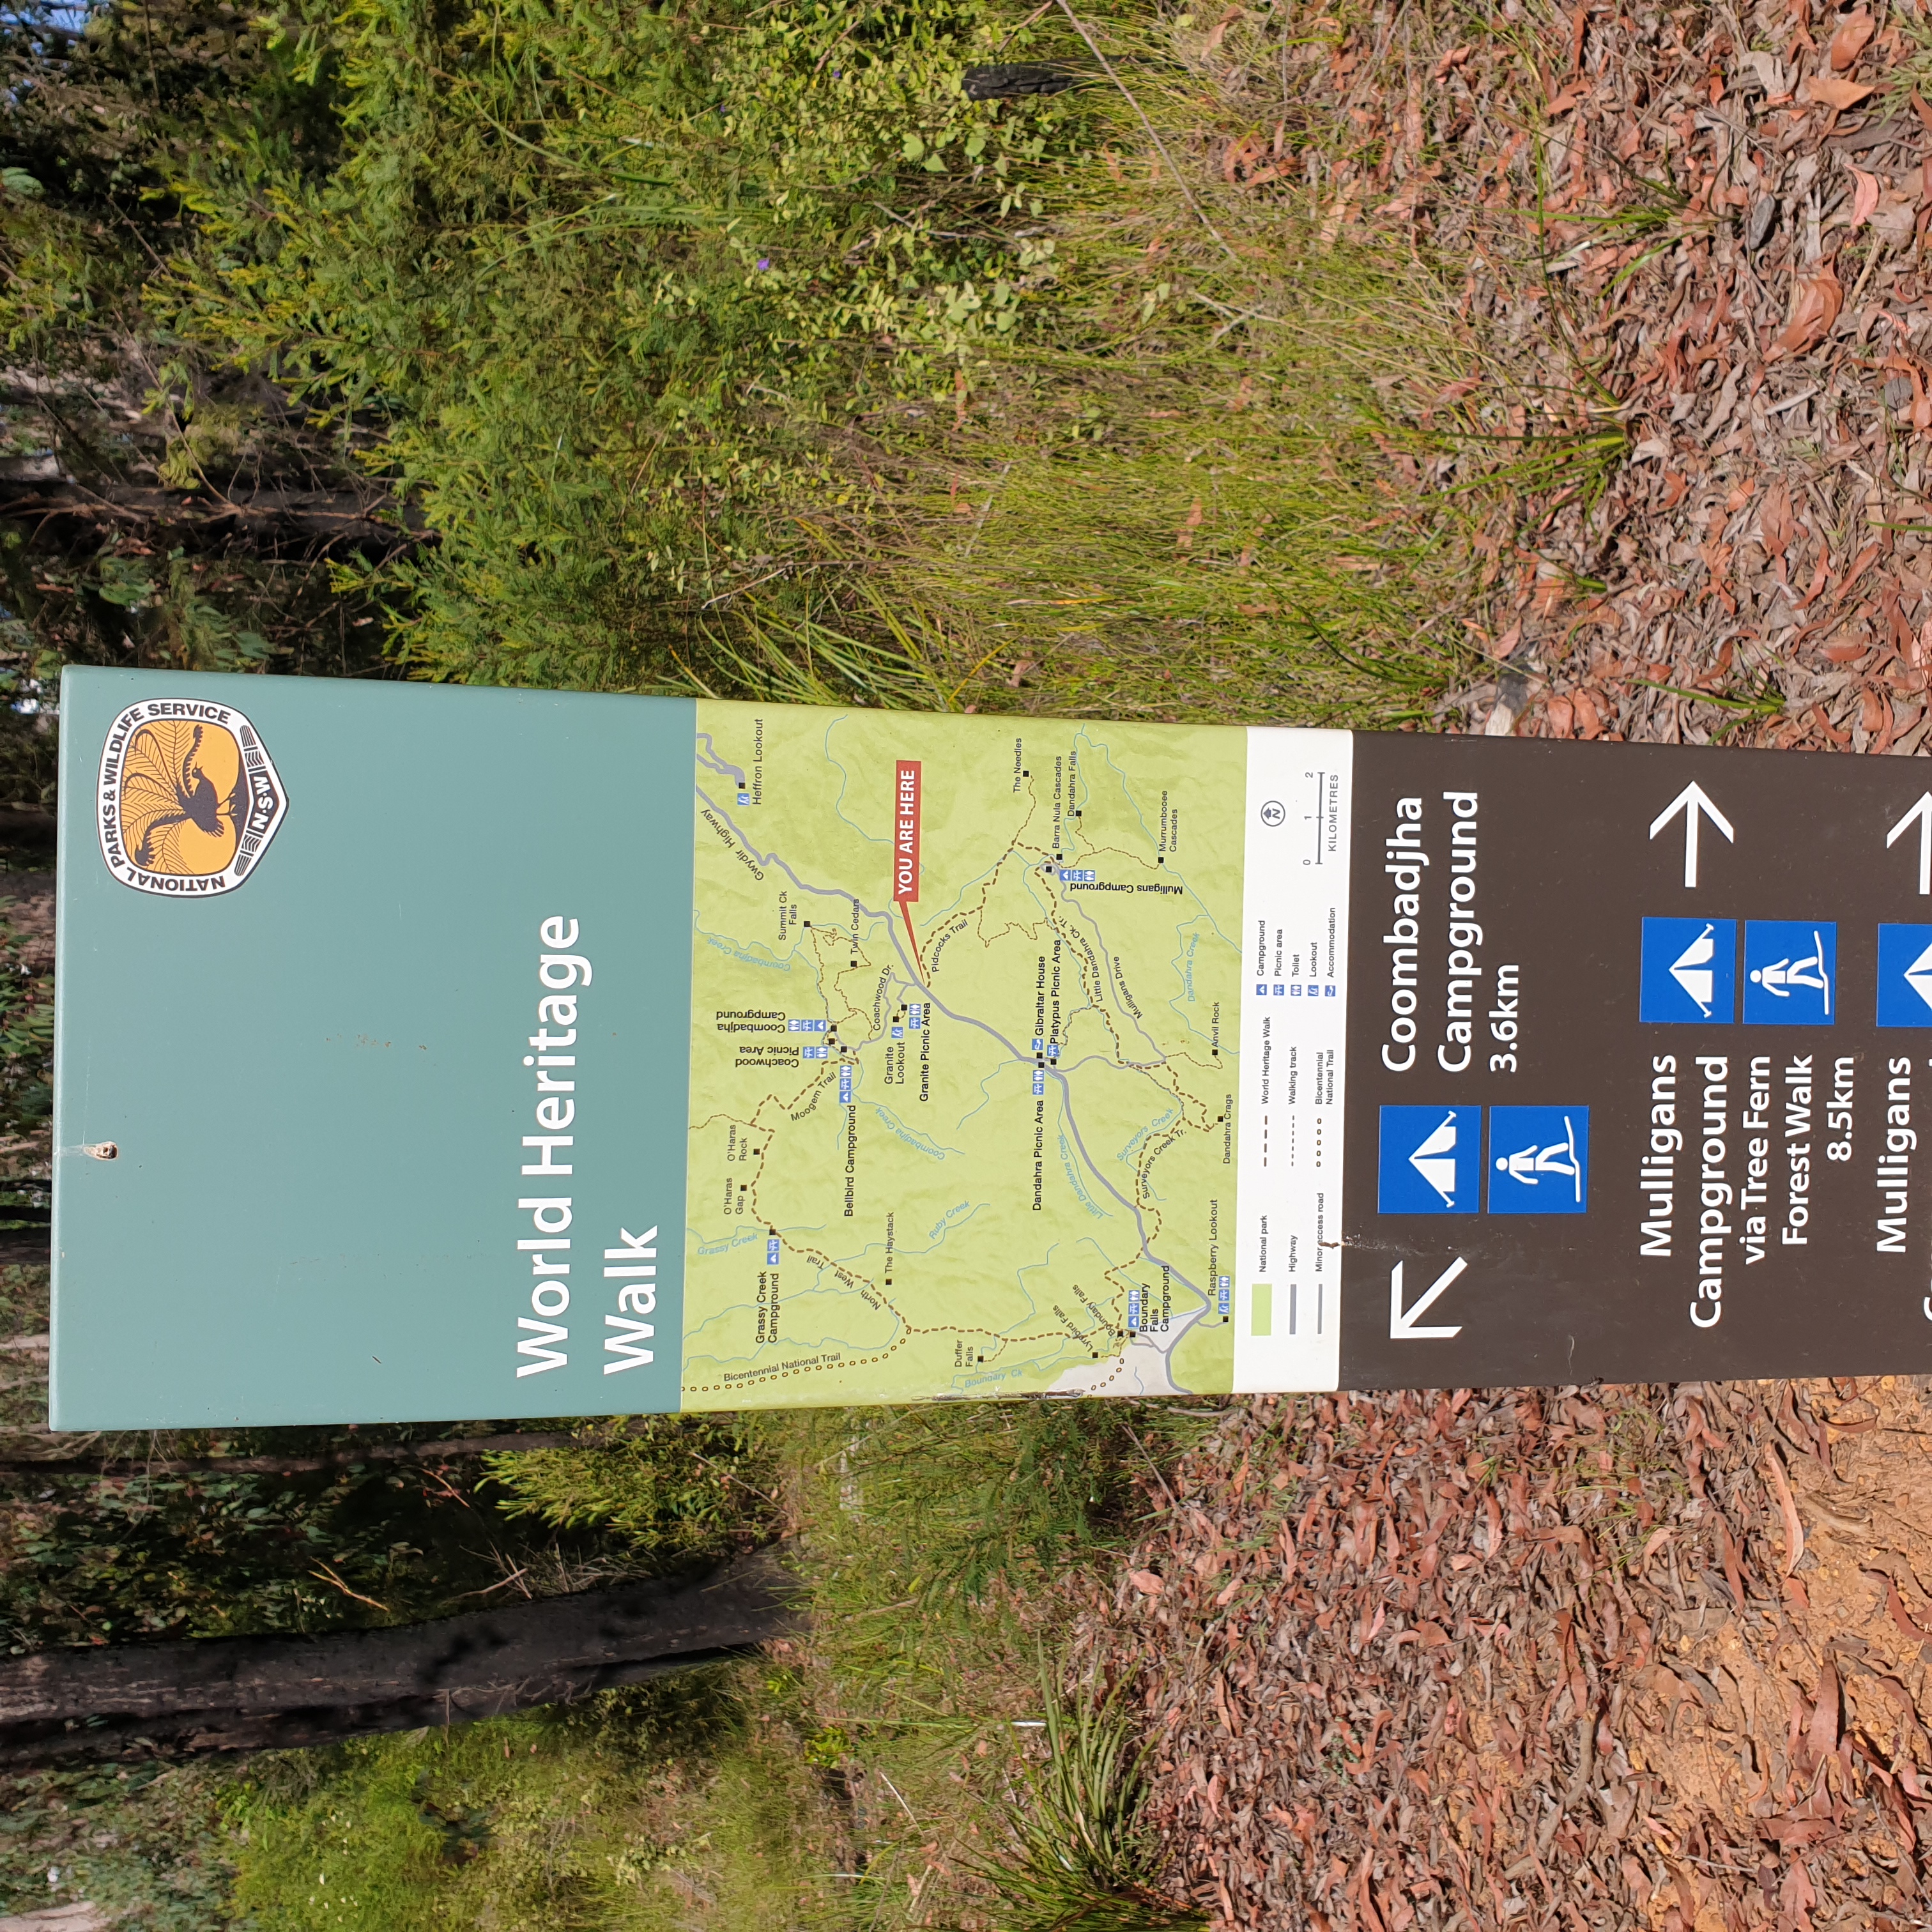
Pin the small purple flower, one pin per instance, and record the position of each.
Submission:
(764, 261)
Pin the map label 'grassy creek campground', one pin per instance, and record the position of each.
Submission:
(428, 1051)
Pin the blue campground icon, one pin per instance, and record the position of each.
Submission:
(1429, 1157)
(1689, 972)
(1539, 1160)
(1905, 976)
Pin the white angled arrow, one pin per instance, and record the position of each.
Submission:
(1922, 812)
(1691, 801)
(1402, 1324)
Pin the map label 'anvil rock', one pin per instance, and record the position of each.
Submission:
(427, 1052)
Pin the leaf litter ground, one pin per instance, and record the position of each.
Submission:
(1652, 1656)
(1626, 1656)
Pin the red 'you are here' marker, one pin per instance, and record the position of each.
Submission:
(905, 847)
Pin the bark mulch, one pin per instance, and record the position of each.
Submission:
(1637, 1656)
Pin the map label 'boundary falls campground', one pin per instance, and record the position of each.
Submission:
(428, 1051)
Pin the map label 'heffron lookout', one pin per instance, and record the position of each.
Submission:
(766, 1055)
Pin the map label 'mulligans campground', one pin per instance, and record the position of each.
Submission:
(768, 1055)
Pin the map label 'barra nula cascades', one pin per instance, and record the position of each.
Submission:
(428, 1052)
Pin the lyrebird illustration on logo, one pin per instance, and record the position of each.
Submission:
(189, 798)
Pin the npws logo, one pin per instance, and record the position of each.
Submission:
(188, 798)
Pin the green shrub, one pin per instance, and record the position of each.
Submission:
(89, 1558)
(675, 1487)
(615, 283)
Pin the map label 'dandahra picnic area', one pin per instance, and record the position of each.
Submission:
(771, 1055)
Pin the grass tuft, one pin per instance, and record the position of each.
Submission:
(1080, 1857)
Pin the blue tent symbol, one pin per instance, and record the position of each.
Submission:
(1905, 976)
(1429, 1160)
(1689, 971)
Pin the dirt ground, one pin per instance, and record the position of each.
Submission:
(1641, 1657)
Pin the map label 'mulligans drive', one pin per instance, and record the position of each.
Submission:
(774, 1055)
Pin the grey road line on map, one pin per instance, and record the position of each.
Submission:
(967, 1019)
(708, 756)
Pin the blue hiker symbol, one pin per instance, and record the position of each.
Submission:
(1531, 1164)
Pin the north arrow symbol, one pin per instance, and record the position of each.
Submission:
(1922, 812)
(1401, 1323)
(1691, 801)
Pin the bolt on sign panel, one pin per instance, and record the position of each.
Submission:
(425, 1052)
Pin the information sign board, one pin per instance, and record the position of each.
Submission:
(431, 1052)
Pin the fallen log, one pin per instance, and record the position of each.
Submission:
(249, 1694)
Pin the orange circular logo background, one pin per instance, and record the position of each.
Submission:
(188, 798)
(182, 798)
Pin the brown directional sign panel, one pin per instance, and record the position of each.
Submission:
(1659, 1111)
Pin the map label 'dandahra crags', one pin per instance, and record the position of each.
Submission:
(767, 1055)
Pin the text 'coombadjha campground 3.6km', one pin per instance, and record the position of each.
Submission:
(427, 1051)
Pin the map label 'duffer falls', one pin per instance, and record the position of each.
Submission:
(468, 1052)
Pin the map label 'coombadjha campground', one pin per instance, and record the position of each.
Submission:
(428, 1052)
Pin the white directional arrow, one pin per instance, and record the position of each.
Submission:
(1402, 1324)
(1691, 801)
(1922, 812)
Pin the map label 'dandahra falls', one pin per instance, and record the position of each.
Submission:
(426, 1052)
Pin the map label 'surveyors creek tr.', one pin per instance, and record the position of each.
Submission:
(427, 1052)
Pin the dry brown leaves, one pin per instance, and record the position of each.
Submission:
(1764, 338)
(1700, 234)
(1623, 1657)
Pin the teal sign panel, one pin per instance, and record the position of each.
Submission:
(372, 1063)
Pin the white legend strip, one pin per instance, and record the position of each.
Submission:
(1294, 1011)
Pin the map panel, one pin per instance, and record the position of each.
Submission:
(964, 1056)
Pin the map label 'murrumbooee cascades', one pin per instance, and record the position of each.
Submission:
(764, 1055)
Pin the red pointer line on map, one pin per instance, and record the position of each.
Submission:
(906, 911)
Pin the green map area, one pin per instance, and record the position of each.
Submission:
(983, 1143)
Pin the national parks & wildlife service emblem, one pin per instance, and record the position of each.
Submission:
(188, 798)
